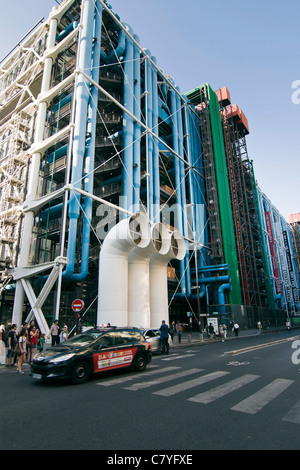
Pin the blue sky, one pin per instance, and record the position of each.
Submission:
(250, 46)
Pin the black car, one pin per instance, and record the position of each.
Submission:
(92, 352)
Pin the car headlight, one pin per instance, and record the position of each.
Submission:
(64, 358)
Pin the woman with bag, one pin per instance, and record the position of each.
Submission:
(21, 352)
(33, 339)
(179, 331)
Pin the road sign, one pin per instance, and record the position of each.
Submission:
(77, 305)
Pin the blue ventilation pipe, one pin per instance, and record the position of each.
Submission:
(149, 146)
(156, 174)
(63, 34)
(128, 124)
(177, 181)
(114, 56)
(137, 128)
(183, 191)
(83, 151)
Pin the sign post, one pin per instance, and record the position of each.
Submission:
(77, 306)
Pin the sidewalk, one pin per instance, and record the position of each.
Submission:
(188, 339)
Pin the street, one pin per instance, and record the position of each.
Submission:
(241, 394)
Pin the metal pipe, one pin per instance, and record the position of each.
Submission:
(139, 312)
(66, 31)
(128, 125)
(156, 173)
(149, 146)
(79, 139)
(174, 112)
(159, 280)
(137, 129)
(113, 268)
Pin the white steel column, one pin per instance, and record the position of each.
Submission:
(34, 176)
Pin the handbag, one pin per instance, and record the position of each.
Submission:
(17, 350)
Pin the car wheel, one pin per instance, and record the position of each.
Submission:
(140, 363)
(80, 373)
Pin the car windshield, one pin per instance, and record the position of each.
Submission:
(82, 340)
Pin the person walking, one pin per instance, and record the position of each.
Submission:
(211, 331)
(236, 328)
(33, 340)
(179, 331)
(225, 330)
(63, 335)
(54, 332)
(172, 330)
(22, 349)
(11, 344)
(41, 342)
(164, 336)
(2, 331)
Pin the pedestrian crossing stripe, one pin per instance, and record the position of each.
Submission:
(222, 390)
(173, 358)
(120, 380)
(258, 400)
(167, 392)
(251, 405)
(293, 416)
(167, 378)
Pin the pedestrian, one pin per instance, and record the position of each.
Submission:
(211, 330)
(179, 331)
(21, 353)
(63, 335)
(164, 337)
(2, 331)
(236, 328)
(54, 332)
(172, 330)
(11, 344)
(225, 330)
(41, 342)
(32, 342)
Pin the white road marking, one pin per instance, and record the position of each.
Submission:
(167, 378)
(222, 390)
(293, 416)
(183, 356)
(258, 400)
(120, 380)
(167, 392)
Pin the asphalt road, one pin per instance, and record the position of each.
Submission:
(241, 394)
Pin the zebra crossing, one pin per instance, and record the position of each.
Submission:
(191, 380)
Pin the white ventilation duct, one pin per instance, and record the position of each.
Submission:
(113, 268)
(139, 278)
(159, 280)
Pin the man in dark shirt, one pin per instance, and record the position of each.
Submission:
(164, 336)
(11, 344)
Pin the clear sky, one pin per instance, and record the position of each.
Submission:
(250, 46)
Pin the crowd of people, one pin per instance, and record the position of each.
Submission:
(22, 344)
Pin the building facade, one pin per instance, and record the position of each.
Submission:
(92, 132)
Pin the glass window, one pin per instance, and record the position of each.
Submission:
(107, 340)
(131, 336)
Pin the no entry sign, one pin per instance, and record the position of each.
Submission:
(77, 305)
